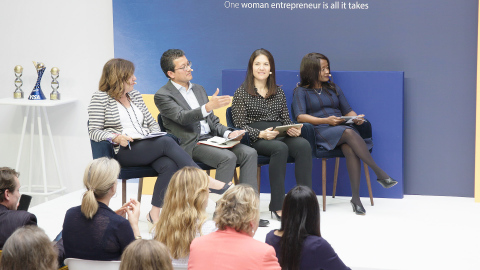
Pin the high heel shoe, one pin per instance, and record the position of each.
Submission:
(279, 218)
(149, 218)
(358, 209)
(216, 194)
(387, 183)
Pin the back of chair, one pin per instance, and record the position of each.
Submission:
(78, 264)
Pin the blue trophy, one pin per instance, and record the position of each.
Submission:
(37, 93)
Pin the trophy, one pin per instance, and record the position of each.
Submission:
(55, 95)
(37, 93)
(18, 93)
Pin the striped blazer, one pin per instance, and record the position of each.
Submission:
(104, 118)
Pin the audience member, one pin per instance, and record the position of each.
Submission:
(233, 246)
(93, 231)
(259, 105)
(183, 216)
(146, 255)
(298, 244)
(321, 102)
(11, 218)
(118, 114)
(28, 248)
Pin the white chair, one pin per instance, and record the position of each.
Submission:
(78, 264)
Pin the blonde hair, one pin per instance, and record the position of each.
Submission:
(146, 255)
(183, 212)
(99, 177)
(115, 73)
(29, 248)
(237, 208)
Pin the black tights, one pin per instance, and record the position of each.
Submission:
(354, 149)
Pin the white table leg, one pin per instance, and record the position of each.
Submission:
(32, 130)
(24, 128)
(42, 152)
(49, 131)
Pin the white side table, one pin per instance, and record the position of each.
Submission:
(37, 106)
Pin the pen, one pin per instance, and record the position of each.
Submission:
(129, 147)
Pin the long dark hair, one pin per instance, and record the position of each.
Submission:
(249, 83)
(310, 72)
(300, 218)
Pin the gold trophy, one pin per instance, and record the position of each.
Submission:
(55, 95)
(18, 93)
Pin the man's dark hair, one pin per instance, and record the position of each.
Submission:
(166, 62)
(7, 181)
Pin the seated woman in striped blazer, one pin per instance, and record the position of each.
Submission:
(118, 114)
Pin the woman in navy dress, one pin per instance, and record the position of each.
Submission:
(320, 102)
(298, 244)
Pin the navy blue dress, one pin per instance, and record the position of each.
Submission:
(320, 104)
(317, 253)
(102, 238)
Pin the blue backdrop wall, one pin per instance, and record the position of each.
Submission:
(433, 42)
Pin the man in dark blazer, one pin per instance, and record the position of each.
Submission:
(11, 218)
(188, 114)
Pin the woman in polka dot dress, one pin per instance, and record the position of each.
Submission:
(259, 105)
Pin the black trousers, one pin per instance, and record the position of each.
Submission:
(278, 150)
(163, 154)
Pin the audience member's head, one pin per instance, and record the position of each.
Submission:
(116, 72)
(9, 188)
(100, 179)
(183, 211)
(28, 248)
(146, 255)
(260, 57)
(238, 209)
(300, 218)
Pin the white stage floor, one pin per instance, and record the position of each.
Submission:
(417, 232)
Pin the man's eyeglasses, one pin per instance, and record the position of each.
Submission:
(186, 67)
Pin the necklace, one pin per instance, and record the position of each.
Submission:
(321, 89)
(134, 126)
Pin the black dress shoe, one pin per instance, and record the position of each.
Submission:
(387, 183)
(263, 223)
(358, 209)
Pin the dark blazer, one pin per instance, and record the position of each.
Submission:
(10, 220)
(180, 120)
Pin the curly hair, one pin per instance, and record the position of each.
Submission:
(99, 177)
(237, 208)
(115, 73)
(183, 212)
(29, 248)
(146, 255)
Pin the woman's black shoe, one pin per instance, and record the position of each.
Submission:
(358, 209)
(216, 194)
(387, 183)
(279, 218)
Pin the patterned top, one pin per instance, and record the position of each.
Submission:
(104, 118)
(247, 109)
